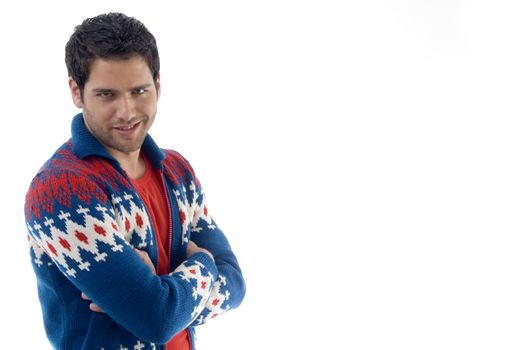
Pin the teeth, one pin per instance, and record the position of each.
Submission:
(126, 127)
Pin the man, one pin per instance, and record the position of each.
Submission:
(124, 249)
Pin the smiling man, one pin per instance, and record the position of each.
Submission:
(119, 103)
(123, 246)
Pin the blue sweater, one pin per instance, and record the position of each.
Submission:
(84, 218)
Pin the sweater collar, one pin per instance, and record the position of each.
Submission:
(85, 144)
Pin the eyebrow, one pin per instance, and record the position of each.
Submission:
(138, 87)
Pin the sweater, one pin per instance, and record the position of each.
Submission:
(84, 219)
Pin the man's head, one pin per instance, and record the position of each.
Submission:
(110, 36)
(114, 77)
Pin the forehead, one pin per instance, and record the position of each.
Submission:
(119, 73)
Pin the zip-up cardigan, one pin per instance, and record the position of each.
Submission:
(84, 220)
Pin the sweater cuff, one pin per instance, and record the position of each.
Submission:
(207, 261)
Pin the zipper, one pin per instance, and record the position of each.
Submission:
(170, 222)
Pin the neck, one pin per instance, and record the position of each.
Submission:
(132, 163)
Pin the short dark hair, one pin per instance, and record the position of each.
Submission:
(109, 36)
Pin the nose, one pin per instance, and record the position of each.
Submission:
(126, 108)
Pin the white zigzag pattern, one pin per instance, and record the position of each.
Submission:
(75, 244)
(192, 212)
(123, 214)
(182, 203)
(37, 250)
(59, 244)
(199, 212)
(203, 283)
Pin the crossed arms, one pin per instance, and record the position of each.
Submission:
(84, 235)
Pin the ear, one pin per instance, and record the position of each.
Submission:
(75, 92)
(158, 85)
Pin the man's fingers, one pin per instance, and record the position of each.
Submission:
(142, 254)
(92, 306)
(95, 308)
(146, 259)
(193, 248)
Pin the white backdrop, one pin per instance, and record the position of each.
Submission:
(365, 158)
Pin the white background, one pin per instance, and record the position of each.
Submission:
(365, 158)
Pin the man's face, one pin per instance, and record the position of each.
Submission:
(119, 103)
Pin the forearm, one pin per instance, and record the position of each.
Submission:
(229, 288)
(161, 306)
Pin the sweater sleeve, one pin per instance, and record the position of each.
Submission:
(75, 223)
(228, 289)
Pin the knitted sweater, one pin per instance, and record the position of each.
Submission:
(84, 219)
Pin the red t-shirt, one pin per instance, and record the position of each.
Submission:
(151, 189)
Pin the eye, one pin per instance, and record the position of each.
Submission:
(139, 91)
(104, 94)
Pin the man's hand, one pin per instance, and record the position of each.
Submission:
(144, 257)
(193, 248)
(92, 306)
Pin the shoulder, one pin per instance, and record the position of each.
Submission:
(56, 171)
(65, 180)
(64, 161)
(64, 165)
(178, 168)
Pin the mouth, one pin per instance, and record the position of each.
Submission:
(127, 130)
(127, 127)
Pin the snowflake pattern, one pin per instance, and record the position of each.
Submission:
(202, 283)
(215, 302)
(84, 230)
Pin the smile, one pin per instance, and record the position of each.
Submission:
(127, 127)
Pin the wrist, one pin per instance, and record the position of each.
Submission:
(203, 250)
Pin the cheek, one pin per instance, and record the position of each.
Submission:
(97, 118)
(148, 107)
(102, 112)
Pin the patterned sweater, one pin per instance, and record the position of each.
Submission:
(84, 218)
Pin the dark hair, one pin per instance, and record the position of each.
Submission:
(109, 36)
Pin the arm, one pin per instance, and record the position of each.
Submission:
(74, 222)
(192, 249)
(229, 288)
